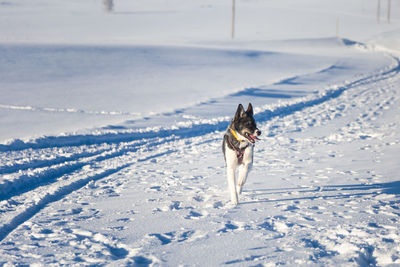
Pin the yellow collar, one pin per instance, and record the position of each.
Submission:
(235, 135)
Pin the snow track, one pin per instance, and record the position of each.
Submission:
(37, 173)
(57, 180)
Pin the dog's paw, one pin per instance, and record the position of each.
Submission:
(234, 196)
(235, 201)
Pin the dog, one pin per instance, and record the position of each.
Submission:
(238, 147)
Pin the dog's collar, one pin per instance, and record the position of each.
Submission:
(236, 136)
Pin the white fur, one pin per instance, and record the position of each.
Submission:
(232, 164)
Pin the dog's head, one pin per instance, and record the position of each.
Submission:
(245, 125)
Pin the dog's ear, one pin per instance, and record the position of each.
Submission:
(239, 112)
(250, 110)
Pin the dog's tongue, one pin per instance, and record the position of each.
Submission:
(254, 137)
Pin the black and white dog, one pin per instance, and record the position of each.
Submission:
(238, 148)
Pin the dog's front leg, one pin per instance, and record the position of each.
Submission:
(232, 184)
(243, 171)
(245, 168)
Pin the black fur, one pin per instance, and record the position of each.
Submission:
(242, 123)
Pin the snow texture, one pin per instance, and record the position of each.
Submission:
(112, 118)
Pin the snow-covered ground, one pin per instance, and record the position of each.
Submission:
(111, 123)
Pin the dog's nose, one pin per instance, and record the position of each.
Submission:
(258, 132)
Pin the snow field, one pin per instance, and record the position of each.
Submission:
(304, 203)
(121, 164)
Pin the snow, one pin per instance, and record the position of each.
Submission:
(111, 125)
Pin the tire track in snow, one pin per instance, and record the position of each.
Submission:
(47, 163)
(58, 192)
(38, 176)
(35, 178)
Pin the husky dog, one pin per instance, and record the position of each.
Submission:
(238, 147)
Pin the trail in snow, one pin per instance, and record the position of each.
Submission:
(47, 170)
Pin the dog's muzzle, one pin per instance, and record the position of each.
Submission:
(253, 138)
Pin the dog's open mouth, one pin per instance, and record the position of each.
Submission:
(251, 137)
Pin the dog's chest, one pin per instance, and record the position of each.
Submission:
(245, 157)
(248, 154)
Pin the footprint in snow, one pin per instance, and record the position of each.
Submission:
(169, 237)
(140, 261)
(291, 208)
(278, 224)
(199, 198)
(154, 188)
(193, 215)
(124, 220)
(247, 259)
(233, 226)
(228, 227)
(218, 205)
(176, 205)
